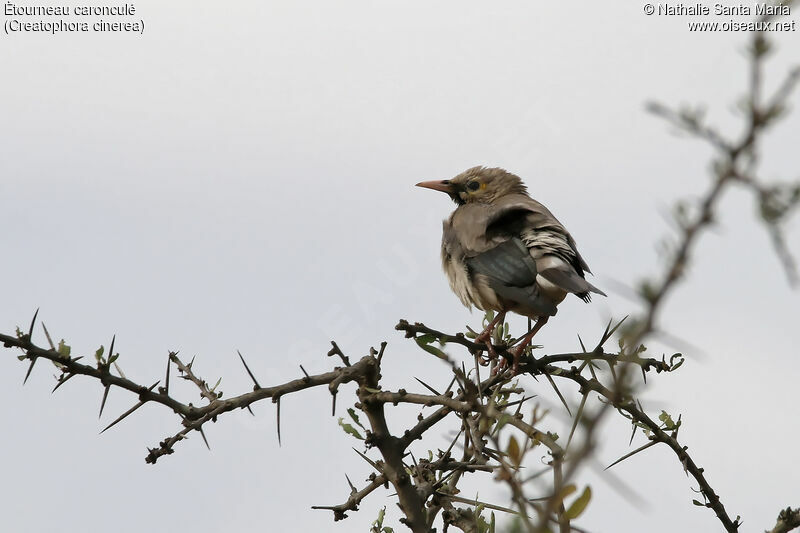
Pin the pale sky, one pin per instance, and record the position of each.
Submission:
(240, 176)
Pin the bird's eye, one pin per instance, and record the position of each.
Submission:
(473, 185)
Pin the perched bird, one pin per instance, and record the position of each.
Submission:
(504, 251)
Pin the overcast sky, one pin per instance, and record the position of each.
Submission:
(240, 176)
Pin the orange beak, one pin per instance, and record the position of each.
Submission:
(443, 185)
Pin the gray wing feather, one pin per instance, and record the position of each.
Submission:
(509, 263)
(511, 273)
(569, 280)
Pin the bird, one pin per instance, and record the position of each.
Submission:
(504, 251)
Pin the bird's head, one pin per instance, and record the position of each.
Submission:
(478, 184)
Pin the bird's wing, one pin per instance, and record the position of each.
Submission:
(508, 263)
(511, 273)
(547, 240)
(556, 271)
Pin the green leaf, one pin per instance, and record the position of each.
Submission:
(566, 491)
(425, 339)
(22, 357)
(667, 420)
(63, 348)
(483, 525)
(354, 416)
(497, 335)
(377, 524)
(501, 421)
(697, 503)
(432, 349)
(514, 451)
(579, 505)
(350, 429)
(381, 514)
(98, 354)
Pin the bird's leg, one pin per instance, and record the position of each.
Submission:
(486, 335)
(517, 352)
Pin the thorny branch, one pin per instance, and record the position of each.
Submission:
(495, 437)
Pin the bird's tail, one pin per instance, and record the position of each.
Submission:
(587, 296)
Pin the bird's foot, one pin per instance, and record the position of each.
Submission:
(517, 356)
(485, 337)
(526, 341)
(491, 355)
(491, 352)
(500, 367)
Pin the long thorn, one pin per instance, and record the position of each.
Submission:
(111, 351)
(248, 370)
(353, 489)
(103, 403)
(610, 333)
(203, 434)
(478, 375)
(370, 461)
(450, 448)
(449, 387)
(61, 381)
(577, 417)
(536, 474)
(166, 380)
(33, 322)
(591, 370)
(520, 402)
(428, 387)
(604, 337)
(278, 405)
(128, 412)
(613, 372)
(553, 383)
(30, 369)
(634, 452)
(49, 340)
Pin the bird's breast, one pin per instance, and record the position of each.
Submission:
(470, 289)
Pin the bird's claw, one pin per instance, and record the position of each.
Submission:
(517, 356)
